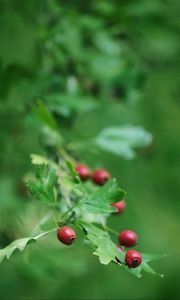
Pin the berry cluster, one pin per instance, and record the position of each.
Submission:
(127, 238)
(100, 176)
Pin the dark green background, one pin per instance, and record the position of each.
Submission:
(146, 94)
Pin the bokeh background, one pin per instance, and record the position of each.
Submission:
(95, 64)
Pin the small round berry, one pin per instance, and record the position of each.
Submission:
(127, 238)
(121, 205)
(133, 258)
(100, 176)
(83, 171)
(66, 235)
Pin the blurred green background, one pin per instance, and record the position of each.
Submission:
(95, 64)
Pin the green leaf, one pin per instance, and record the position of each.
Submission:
(124, 140)
(38, 160)
(51, 137)
(20, 244)
(72, 171)
(105, 249)
(68, 104)
(146, 258)
(100, 200)
(44, 115)
(43, 188)
(50, 132)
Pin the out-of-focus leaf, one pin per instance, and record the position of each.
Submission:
(45, 116)
(107, 44)
(72, 171)
(67, 104)
(100, 201)
(38, 159)
(43, 187)
(50, 132)
(124, 140)
(51, 137)
(104, 68)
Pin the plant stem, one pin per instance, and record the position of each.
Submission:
(41, 222)
(70, 209)
(110, 230)
(63, 153)
(46, 233)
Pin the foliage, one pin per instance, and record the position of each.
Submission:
(20, 245)
(56, 182)
(100, 200)
(94, 66)
(43, 187)
(123, 140)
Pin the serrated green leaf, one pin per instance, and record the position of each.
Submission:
(105, 249)
(19, 244)
(100, 201)
(124, 140)
(43, 188)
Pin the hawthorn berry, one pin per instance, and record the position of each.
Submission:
(66, 235)
(100, 176)
(133, 258)
(120, 205)
(127, 238)
(83, 171)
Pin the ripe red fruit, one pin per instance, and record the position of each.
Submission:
(127, 238)
(66, 235)
(120, 206)
(133, 258)
(100, 176)
(83, 171)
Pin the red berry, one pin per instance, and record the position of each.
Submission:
(133, 258)
(66, 235)
(127, 238)
(120, 206)
(83, 171)
(100, 176)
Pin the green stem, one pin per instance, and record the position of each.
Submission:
(63, 153)
(45, 233)
(70, 209)
(110, 230)
(41, 222)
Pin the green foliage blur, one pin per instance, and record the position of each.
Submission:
(95, 64)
